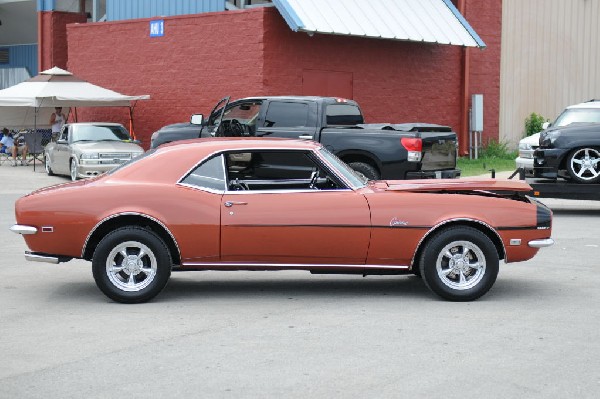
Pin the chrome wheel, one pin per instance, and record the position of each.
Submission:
(49, 171)
(74, 171)
(460, 265)
(131, 266)
(583, 165)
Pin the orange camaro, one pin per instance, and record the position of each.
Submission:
(275, 204)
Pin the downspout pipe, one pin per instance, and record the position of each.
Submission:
(463, 139)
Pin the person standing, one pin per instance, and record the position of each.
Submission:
(57, 120)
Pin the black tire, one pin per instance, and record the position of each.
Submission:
(583, 165)
(453, 277)
(365, 169)
(49, 170)
(142, 278)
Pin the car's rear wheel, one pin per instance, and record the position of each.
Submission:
(47, 165)
(74, 170)
(583, 165)
(459, 263)
(131, 265)
(364, 169)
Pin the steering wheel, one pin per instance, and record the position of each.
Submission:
(236, 128)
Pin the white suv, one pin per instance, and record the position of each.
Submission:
(588, 112)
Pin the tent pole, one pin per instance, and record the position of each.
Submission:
(131, 120)
(35, 113)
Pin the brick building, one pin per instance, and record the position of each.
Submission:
(203, 57)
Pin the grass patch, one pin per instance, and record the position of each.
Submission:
(495, 156)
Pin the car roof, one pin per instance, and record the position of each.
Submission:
(241, 143)
(587, 104)
(94, 124)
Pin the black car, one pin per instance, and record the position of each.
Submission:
(571, 152)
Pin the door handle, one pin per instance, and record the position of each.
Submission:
(229, 204)
(305, 137)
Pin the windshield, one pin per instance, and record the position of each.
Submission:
(578, 115)
(100, 133)
(355, 180)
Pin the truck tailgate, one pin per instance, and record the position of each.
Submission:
(439, 150)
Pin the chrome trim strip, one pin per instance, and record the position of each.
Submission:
(41, 258)
(546, 242)
(22, 229)
(412, 262)
(124, 214)
(294, 265)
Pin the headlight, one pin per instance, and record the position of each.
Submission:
(89, 155)
(525, 146)
(548, 138)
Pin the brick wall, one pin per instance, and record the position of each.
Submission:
(204, 57)
(200, 59)
(52, 37)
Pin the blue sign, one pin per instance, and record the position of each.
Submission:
(157, 28)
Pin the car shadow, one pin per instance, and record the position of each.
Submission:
(394, 286)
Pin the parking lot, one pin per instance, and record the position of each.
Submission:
(296, 335)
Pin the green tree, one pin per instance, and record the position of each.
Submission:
(533, 124)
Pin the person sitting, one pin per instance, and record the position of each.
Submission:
(8, 145)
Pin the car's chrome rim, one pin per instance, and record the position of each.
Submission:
(131, 266)
(584, 163)
(73, 170)
(461, 265)
(47, 163)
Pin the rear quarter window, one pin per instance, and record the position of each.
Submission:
(343, 114)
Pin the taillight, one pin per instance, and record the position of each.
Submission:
(414, 146)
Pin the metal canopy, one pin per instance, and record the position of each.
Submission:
(430, 21)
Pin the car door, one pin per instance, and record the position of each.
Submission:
(61, 153)
(289, 119)
(280, 220)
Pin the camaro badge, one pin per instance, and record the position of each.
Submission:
(395, 222)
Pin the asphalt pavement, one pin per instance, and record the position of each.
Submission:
(296, 335)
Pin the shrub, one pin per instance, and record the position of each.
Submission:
(495, 149)
(533, 124)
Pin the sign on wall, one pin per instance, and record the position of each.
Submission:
(157, 28)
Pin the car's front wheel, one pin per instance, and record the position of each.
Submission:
(49, 170)
(583, 165)
(74, 170)
(459, 263)
(131, 265)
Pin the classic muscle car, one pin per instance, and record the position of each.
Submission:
(278, 204)
(88, 149)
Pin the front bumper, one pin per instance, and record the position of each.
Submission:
(541, 243)
(546, 162)
(84, 171)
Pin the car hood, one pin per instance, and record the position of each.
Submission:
(534, 139)
(107, 146)
(455, 185)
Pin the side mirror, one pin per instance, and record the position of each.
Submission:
(545, 125)
(197, 119)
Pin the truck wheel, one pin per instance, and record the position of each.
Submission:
(459, 264)
(583, 165)
(364, 169)
(131, 265)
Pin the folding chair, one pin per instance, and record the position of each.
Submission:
(4, 156)
(35, 148)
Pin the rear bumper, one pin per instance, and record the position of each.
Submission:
(46, 258)
(434, 174)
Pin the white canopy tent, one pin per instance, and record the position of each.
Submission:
(30, 104)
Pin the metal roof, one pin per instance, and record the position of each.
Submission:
(431, 21)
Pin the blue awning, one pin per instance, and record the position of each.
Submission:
(430, 21)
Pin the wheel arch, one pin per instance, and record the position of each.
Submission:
(476, 224)
(113, 222)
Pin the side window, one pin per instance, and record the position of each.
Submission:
(208, 175)
(64, 134)
(277, 170)
(343, 114)
(283, 114)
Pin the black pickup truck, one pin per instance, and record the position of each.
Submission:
(377, 151)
